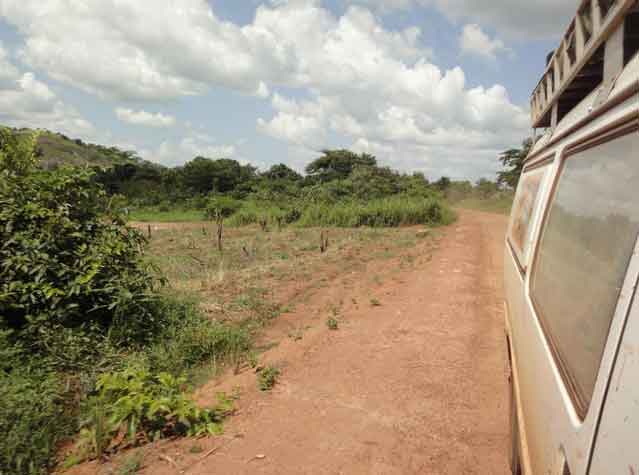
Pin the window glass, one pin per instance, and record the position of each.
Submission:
(583, 256)
(523, 208)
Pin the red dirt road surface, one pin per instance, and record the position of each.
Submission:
(416, 385)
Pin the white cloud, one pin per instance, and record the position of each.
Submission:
(8, 72)
(173, 153)
(517, 18)
(144, 118)
(474, 41)
(159, 49)
(360, 81)
(27, 102)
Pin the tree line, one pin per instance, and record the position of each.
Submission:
(335, 175)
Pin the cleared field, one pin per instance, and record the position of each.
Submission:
(260, 274)
(390, 357)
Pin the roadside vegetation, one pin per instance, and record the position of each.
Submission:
(89, 341)
(102, 334)
(107, 325)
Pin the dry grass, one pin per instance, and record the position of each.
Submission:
(261, 274)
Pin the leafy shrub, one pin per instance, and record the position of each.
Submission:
(32, 420)
(332, 323)
(144, 406)
(220, 207)
(69, 269)
(267, 378)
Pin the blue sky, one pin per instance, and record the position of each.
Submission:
(438, 86)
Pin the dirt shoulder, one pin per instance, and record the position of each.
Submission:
(417, 384)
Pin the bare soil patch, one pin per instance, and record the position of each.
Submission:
(413, 381)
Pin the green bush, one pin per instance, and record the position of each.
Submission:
(69, 269)
(220, 207)
(144, 406)
(32, 420)
(267, 378)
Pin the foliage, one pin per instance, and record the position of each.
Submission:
(332, 323)
(484, 195)
(203, 175)
(17, 154)
(267, 378)
(386, 212)
(32, 418)
(443, 183)
(338, 164)
(513, 161)
(281, 172)
(189, 338)
(499, 203)
(70, 269)
(144, 406)
(220, 207)
(252, 212)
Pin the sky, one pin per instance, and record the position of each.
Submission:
(435, 86)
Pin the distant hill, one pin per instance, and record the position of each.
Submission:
(55, 149)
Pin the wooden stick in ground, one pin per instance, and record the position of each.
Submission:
(220, 232)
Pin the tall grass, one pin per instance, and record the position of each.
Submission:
(252, 212)
(399, 210)
(386, 212)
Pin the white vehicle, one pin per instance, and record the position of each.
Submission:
(572, 256)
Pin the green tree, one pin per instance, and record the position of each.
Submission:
(68, 267)
(443, 183)
(281, 172)
(203, 175)
(513, 161)
(338, 164)
(370, 182)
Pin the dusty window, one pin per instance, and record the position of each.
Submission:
(526, 200)
(584, 252)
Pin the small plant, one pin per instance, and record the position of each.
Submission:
(143, 407)
(253, 359)
(267, 378)
(332, 323)
(131, 464)
(376, 303)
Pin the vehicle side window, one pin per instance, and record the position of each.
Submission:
(520, 232)
(585, 248)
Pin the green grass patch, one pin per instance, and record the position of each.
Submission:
(387, 212)
(500, 204)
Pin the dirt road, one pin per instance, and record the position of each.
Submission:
(414, 380)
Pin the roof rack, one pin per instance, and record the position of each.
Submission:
(598, 43)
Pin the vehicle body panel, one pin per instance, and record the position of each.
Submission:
(552, 433)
